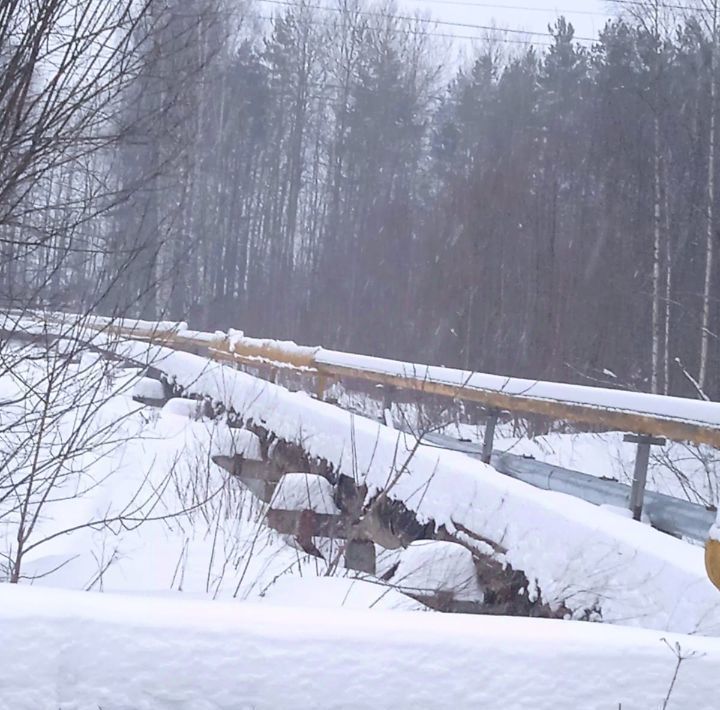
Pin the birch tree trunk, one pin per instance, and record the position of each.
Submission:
(709, 211)
(657, 213)
(668, 289)
(656, 258)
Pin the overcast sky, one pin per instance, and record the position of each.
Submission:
(587, 16)
(521, 20)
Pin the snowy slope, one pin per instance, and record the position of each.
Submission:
(63, 650)
(580, 555)
(140, 507)
(167, 517)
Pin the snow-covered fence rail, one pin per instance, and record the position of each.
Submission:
(676, 418)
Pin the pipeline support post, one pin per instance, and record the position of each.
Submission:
(320, 387)
(642, 459)
(488, 440)
(388, 392)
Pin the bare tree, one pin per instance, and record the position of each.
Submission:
(74, 94)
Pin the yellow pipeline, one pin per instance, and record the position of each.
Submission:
(712, 561)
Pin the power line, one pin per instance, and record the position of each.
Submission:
(408, 18)
(524, 8)
(425, 33)
(662, 5)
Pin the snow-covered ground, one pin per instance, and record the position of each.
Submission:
(165, 517)
(589, 559)
(63, 650)
(204, 607)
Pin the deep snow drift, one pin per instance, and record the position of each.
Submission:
(259, 624)
(63, 650)
(164, 516)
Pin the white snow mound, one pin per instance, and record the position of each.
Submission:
(337, 592)
(428, 566)
(148, 388)
(228, 441)
(304, 491)
(180, 407)
(83, 650)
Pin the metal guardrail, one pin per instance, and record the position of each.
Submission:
(666, 513)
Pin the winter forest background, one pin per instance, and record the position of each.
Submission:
(336, 176)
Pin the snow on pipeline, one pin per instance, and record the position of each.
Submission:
(681, 409)
(580, 555)
(661, 406)
(65, 649)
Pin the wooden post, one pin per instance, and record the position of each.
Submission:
(642, 458)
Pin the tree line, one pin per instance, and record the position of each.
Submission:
(331, 176)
